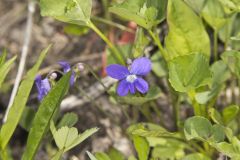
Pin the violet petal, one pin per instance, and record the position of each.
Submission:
(141, 85)
(65, 65)
(131, 88)
(72, 78)
(141, 66)
(117, 71)
(122, 89)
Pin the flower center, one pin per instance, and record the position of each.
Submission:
(131, 78)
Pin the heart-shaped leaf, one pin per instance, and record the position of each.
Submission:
(189, 72)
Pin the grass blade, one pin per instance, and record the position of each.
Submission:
(19, 103)
(5, 68)
(44, 115)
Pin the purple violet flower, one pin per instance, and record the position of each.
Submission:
(43, 87)
(131, 79)
(66, 68)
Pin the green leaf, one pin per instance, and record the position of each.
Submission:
(159, 66)
(196, 156)
(153, 93)
(230, 113)
(186, 31)
(166, 148)
(102, 156)
(214, 15)
(149, 130)
(140, 43)
(69, 119)
(220, 75)
(76, 30)
(72, 11)
(197, 127)
(200, 128)
(215, 116)
(146, 13)
(142, 147)
(92, 157)
(3, 56)
(45, 113)
(67, 138)
(189, 72)
(197, 6)
(113, 153)
(5, 68)
(232, 59)
(228, 149)
(27, 118)
(20, 101)
(218, 134)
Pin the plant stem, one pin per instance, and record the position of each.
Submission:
(115, 51)
(215, 44)
(158, 43)
(117, 25)
(196, 106)
(90, 69)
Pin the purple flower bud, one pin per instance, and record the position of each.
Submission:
(43, 87)
(66, 68)
(131, 79)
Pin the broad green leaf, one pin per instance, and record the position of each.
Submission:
(186, 31)
(142, 147)
(167, 148)
(196, 156)
(69, 119)
(214, 15)
(218, 134)
(220, 75)
(197, 127)
(45, 113)
(5, 68)
(102, 156)
(189, 72)
(20, 101)
(91, 156)
(232, 59)
(27, 118)
(81, 137)
(65, 136)
(152, 94)
(206, 96)
(115, 154)
(228, 149)
(197, 6)
(230, 113)
(146, 13)
(71, 11)
(231, 5)
(215, 116)
(149, 130)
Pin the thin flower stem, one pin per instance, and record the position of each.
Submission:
(158, 43)
(215, 44)
(115, 51)
(89, 68)
(117, 25)
(196, 106)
